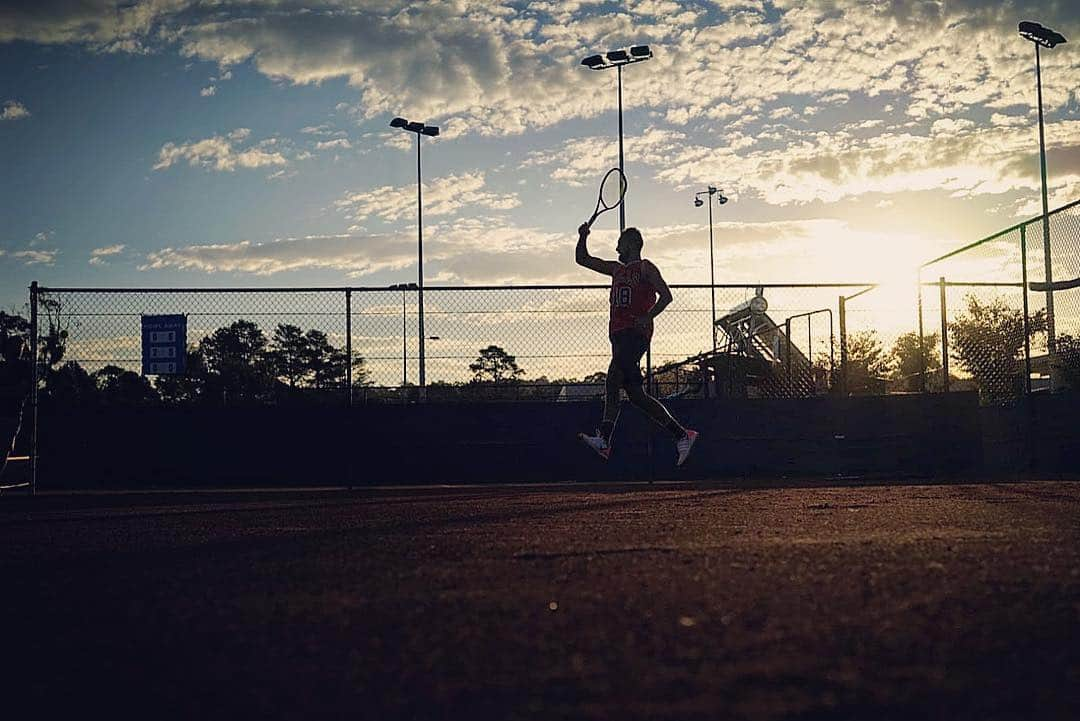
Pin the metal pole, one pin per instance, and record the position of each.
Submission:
(944, 338)
(712, 276)
(1027, 313)
(404, 342)
(33, 386)
(348, 347)
(843, 347)
(420, 256)
(832, 351)
(1051, 342)
(622, 169)
(922, 342)
(787, 349)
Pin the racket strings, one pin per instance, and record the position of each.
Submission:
(612, 189)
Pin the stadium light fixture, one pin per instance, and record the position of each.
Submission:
(1040, 35)
(617, 59)
(698, 202)
(1044, 37)
(432, 131)
(593, 62)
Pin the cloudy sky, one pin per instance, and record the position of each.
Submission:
(214, 143)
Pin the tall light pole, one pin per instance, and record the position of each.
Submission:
(617, 59)
(1047, 38)
(432, 131)
(698, 202)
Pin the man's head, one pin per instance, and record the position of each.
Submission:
(630, 244)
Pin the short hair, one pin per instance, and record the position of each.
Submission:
(634, 236)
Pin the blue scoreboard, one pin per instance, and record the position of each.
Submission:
(164, 344)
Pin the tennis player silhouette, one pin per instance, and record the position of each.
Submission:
(638, 295)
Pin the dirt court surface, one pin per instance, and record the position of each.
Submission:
(795, 601)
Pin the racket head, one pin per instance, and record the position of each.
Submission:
(612, 189)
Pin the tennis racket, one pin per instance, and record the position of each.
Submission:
(612, 192)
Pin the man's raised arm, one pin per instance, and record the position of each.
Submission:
(607, 267)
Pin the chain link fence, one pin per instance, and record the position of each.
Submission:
(994, 320)
(354, 345)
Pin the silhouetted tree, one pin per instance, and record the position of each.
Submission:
(118, 386)
(866, 361)
(189, 387)
(289, 354)
(495, 365)
(910, 359)
(987, 340)
(1068, 360)
(237, 367)
(71, 385)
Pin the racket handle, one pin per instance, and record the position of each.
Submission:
(593, 218)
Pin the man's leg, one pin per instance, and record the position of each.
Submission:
(613, 384)
(655, 409)
(601, 442)
(684, 439)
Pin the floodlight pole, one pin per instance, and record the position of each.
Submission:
(419, 129)
(616, 59)
(712, 265)
(1051, 342)
(622, 169)
(420, 259)
(1047, 38)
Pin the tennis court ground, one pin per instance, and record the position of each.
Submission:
(793, 600)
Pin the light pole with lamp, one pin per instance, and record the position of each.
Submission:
(432, 131)
(698, 202)
(1047, 38)
(617, 59)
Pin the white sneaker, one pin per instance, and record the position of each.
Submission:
(597, 443)
(684, 445)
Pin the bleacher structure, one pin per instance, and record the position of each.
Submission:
(754, 358)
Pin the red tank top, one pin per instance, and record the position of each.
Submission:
(632, 297)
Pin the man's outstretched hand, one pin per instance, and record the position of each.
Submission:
(583, 230)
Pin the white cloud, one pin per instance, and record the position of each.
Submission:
(353, 255)
(37, 257)
(99, 256)
(442, 196)
(336, 144)
(14, 110)
(495, 68)
(208, 91)
(43, 237)
(219, 153)
(583, 161)
(955, 156)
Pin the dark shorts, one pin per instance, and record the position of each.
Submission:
(627, 348)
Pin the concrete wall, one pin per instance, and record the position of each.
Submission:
(928, 435)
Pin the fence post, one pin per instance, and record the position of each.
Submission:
(922, 342)
(843, 347)
(348, 347)
(1027, 312)
(33, 386)
(944, 339)
(649, 431)
(787, 351)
